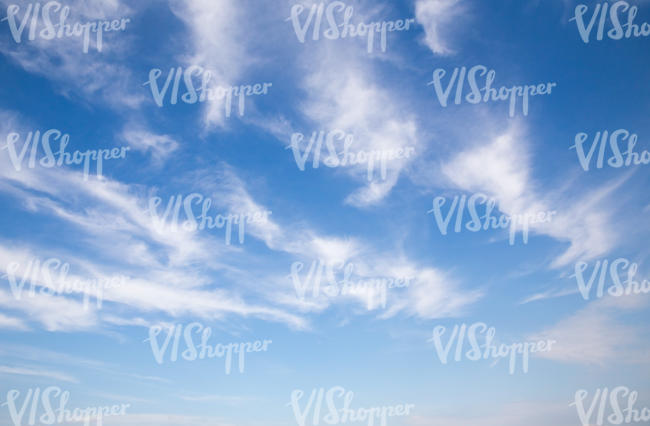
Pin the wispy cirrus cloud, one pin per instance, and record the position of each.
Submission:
(501, 168)
(157, 145)
(93, 77)
(599, 333)
(549, 294)
(344, 96)
(433, 294)
(220, 43)
(157, 261)
(24, 371)
(435, 16)
(12, 323)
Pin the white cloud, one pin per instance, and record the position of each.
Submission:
(159, 146)
(549, 294)
(501, 168)
(432, 295)
(94, 76)
(598, 335)
(21, 371)
(218, 39)
(119, 228)
(435, 16)
(12, 323)
(343, 95)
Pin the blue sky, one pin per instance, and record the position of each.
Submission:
(103, 227)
